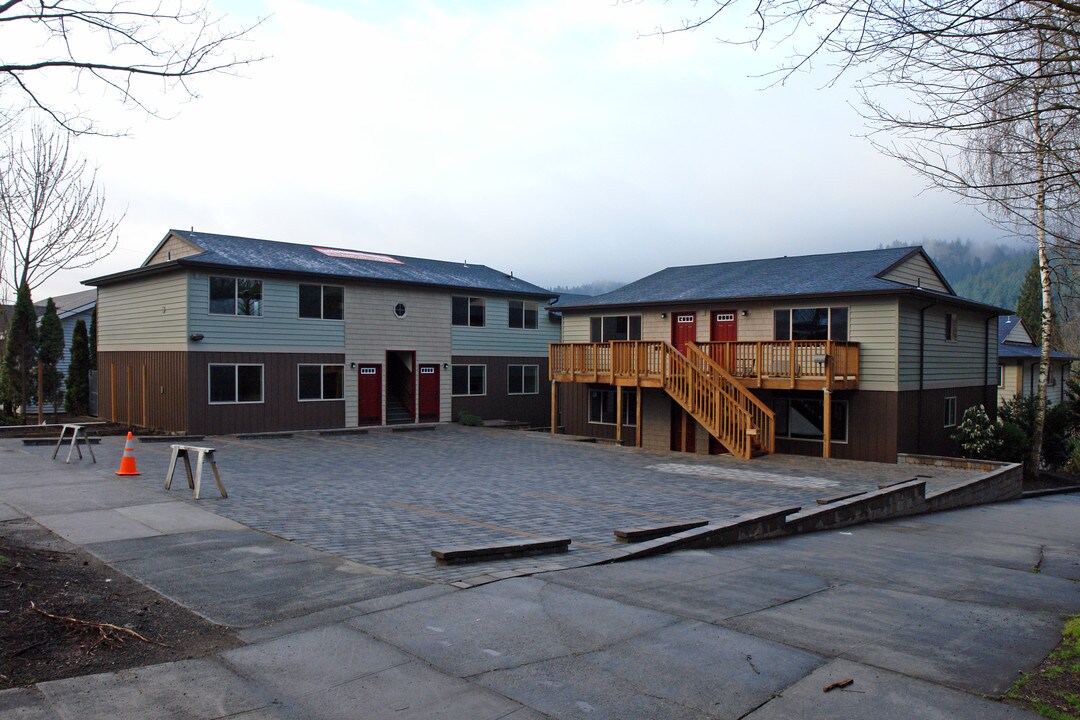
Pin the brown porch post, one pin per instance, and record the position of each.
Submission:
(637, 439)
(827, 423)
(554, 407)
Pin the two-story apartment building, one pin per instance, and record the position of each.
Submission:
(1018, 364)
(224, 334)
(857, 355)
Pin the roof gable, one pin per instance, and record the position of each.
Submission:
(1011, 329)
(918, 270)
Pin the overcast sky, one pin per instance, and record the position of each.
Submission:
(546, 138)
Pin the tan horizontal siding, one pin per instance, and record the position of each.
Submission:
(915, 271)
(149, 312)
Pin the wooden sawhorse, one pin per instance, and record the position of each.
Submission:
(78, 432)
(184, 451)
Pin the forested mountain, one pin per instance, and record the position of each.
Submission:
(988, 272)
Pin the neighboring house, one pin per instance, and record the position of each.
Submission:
(751, 350)
(222, 334)
(1018, 364)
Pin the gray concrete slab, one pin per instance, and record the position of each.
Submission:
(9, 513)
(711, 598)
(1061, 562)
(212, 550)
(951, 642)
(339, 672)
(177, 517)
(93, 492)
(180, 690)
(25, 704)
(659, 675)
(878, 695)
(94, 526)
(508, 624)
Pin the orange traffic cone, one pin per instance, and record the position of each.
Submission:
(127, 463)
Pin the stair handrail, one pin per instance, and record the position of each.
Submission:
(733, 432)
(766, 435)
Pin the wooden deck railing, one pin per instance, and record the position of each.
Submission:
(720, 402)
(796, 364)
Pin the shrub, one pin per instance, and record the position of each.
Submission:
(977, 435)
(467, 418)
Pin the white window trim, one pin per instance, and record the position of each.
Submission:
(322, 303)
(468, 365)
(523, 304)
(535, 392)
(322, 386)
(833, 441)
(236, 299)
(954, 413)
(1001, 376)
(236, 383)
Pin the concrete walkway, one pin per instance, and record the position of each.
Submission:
(932, 617)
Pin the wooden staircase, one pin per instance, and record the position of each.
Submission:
(743, 424)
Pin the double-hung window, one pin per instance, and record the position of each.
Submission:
(235, 296)
(952, 327)
(320, 382)
(523, 379)
(321, 302)
(468, 380)
(231, 384)
(950, 412)
(467, 311)
(524, 314)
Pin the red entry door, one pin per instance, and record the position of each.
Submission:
(428, 393)
(725, 328)
(370, 388)
(683, 330)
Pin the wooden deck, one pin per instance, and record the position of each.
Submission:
(768, 364)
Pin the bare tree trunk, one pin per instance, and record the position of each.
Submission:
(1046, 319)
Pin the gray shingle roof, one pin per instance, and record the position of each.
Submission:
(1021, 350)
(255, 255)
(826, 274)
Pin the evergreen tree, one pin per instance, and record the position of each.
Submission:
(50, 351)
(18, 372)
(93, 338)
(77, 398)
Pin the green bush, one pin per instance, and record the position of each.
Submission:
(1019, 413)
(467, 418)
(976, 435)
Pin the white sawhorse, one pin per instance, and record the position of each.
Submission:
(78, 432)
(184, 451)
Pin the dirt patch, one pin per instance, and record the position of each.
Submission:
(1050, 480)
(40, 568)
(1053, 689)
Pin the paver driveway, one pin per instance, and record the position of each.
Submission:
(387, 498)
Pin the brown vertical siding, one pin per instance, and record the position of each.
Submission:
(573, 412)
(280, 410)
(922, 428)
(872, 427)
(150, 389)
(498, 403)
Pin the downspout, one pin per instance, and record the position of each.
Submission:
(922, 368)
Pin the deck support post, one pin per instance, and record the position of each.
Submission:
(682, 437)
(554, 407)
(827, 423)
(618, 415)
(637, 438)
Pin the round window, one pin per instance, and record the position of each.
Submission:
(399, 309)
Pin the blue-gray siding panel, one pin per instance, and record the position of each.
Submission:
(278, 327)
(497, 338)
